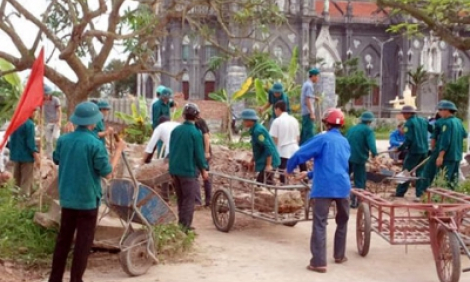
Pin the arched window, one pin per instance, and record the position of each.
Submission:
(185, 49)
(210, 51)
(278, 53)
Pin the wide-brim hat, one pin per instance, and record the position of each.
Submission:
(314, 71)
(446, 105)
(408, 110)
(249, 114)
(367, 116)
(160, 88)
(166, 92)
(47, 89)
(103, 105)
(277, 88)
(86, 113)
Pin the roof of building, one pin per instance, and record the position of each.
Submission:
(359, 9)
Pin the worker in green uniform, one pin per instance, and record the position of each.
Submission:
(307, 104)
(161, 107)
(416, 143)
(24, 154)
(82, 161)
(361, 139)
(450, 143)
(100, 128)
(275, 94)
(186, 161)
(265, 155)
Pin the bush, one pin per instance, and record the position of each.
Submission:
(21, 239)
(170, 240)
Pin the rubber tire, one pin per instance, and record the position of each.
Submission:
(455, 252)
(363, 213)
(290, 224)
(125, 256)
(231, 210)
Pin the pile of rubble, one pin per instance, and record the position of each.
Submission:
(381, 163)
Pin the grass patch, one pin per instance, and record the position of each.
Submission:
(21, 240)
(170, 240)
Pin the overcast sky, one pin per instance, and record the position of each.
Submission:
(27, 31)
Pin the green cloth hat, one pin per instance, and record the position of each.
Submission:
(166, 92)
(277, 88)
(249, 114)
(86, 113)
(446, 105)
(103, 105)
(160, 88)
(367, 116)
(314, 71)
(47, 89)
(408, 110)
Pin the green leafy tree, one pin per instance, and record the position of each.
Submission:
(10, 90)
(351, 82)
(83, 34)
(457, 92)
(417, 78)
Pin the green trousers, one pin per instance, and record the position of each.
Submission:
(429, 173)
(308, 129)
(452, 173)
(411, 161)
(359, 174)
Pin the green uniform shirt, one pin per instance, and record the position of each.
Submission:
(160, 109)
(361, 139)
(100, 128)
(186, 151)
(273, 100)
(437, 129)
(82, 161)
(263, 147)
(22, 143)
(416, 136)
(451, 139)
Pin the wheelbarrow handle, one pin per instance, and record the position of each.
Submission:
(419, 165)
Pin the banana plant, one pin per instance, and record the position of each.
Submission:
(139, 128)
(11, 89)
(229, 100)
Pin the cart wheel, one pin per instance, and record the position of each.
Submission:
(363, 229)
(290, 224)
(448, 252)
(223, 210)
(134, 259)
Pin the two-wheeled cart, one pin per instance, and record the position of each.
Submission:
(139, 208)
(438, 224)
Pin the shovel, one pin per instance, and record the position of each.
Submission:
(407, 174)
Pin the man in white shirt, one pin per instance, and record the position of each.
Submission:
(161, 133)
(286, 135)
(4, 174)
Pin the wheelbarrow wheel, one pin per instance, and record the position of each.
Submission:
(223, 210)
(134, 257)
(290, 224)
(448, 255)
(363, 229)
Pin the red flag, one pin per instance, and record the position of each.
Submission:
(31, 98)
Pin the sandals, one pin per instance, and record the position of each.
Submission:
(345, 259)
(316, 269)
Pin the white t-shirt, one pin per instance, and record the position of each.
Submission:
(3, 159)
(286, 129)
(162, 132)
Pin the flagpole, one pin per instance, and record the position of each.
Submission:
(41, 135)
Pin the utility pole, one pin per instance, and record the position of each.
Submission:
(381, 44)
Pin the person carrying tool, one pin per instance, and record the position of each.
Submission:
(24, 154)
(307, 100)
(201, 125)
(275, 94)
(265, 155)
(82, 161)
(330, 152)
(450, 143)
(186, 162)
(53, 117)
(397, 137)
(416, 143)
(361, 138)
(100, 128)
(286, 136)
(158, 92)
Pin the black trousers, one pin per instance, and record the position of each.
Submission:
(207, 191)
(84, 222)
(320, 220)
(283, 166)
(186, 190)
(265, 177)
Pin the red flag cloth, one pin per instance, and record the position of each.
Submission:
(31, 98)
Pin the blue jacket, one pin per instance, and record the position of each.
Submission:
(331, 153)
(396, 139)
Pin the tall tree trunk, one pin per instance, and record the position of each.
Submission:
(74, 98)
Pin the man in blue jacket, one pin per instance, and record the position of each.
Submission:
(330, 152)
(397, 138)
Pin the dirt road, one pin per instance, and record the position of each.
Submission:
(257, 251)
